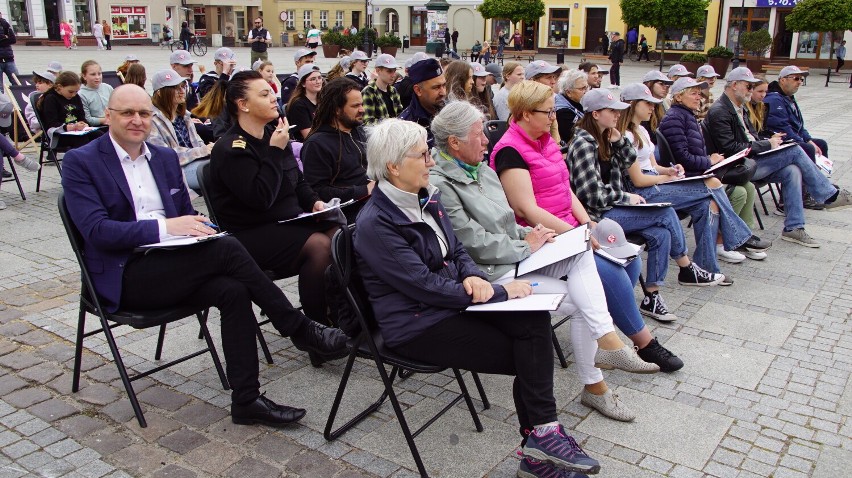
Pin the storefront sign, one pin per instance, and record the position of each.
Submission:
(777, 3)
(129, 22)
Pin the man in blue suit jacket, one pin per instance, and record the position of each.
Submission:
(123, 193)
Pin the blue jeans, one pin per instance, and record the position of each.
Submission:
(811, 151)
(693, 197)
(618, 283)
(191, 173)
(792, 167)
(9, 68)
(661, 229)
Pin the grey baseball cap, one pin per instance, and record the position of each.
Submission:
(679, 70)
(344, 62)
(54, 67)
(358, 55)
(742, 74)
(792, 70)
(478, 69)
(223, 54)
(256, 64)
(655, 75)
(494, 69)
(684, 83)
(638, 91)
(6, 110)
(46, 75)
(166, 78)
(131, 57)
(600, 98)
(540, 67)
(419, 56)
(386, 61)
(306, 70)
(706, 71)
(610, 236)
(303, 52)
(180, 57)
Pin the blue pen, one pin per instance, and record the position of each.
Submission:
(210, 224)
(534, 284)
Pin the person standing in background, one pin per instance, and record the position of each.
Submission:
(98, 32)
(107, 34)
(259, 38)
(841, 56)
(7, 56)
(616, 56)
(455, 38)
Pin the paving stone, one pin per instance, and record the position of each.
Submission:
(158, 427)
(81, 425)
(53, 409)
(183, 441)
(174, 471)
(716, 361)
(15, 329)
(833, 462)
(106, 442)
(276, 447)
(251, 467)
(199, 414)
(161, 397)
(18, 360)
(41, 374)
(27, 397)
(214, 457)
(98, 394)
(312, 463)
(139, 458)
(10, 383)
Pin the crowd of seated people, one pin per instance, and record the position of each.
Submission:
(440, 223)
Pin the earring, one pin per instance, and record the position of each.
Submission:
(245, 109)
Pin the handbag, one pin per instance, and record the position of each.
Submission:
(740, 174)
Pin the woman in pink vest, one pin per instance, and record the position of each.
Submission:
(536, 182)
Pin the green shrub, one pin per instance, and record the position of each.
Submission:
(720, 52)
(694, 57)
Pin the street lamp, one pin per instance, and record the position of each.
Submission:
(736, 61)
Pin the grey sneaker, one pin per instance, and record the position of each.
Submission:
(844, 200)
(608, 404)
(2, 205)
(625, 359)
(29, 164)
(799, 236)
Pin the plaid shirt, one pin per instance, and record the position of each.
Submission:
(586, 180)
(375, 109)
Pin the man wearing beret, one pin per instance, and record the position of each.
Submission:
(430, 91)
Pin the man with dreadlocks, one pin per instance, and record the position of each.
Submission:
(334, 154)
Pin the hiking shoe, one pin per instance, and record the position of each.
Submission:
(726, 280)
(843, 200)
(731, 257)
(558, 448)
(654, 307)
(608, 404)
(530, 468)
(656, 353)
(756, 244)
(799, 236)
(29, 164)
(625, 359)
(808, 202)
(695, 276)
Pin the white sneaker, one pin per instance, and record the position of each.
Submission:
(755, 256)
(731, 257)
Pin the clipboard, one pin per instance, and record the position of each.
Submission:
(567, 244)
(181, 241)
(548, 302)
(779, 148)
(647, 204)
(690, 178)
(317, 213)
(615, 260)
(727, 161)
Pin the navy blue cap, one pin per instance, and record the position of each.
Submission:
(424, 70)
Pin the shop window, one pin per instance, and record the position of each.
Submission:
(82, 17)
(18, 17)
(557, 33)
(815, 45)
(754, 18)
(501, 26)
(685, 40)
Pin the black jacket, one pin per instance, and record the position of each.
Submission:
(727, 132)
(7, 39)
(335, 163)
(208, 81)
(616, 54)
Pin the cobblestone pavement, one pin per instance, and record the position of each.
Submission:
(766, 390)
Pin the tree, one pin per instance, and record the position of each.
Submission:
(529, 11)
(663, 14)
(821, 16)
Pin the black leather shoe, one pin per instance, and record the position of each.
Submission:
(6, 174)
(265, 412)
(326, 342)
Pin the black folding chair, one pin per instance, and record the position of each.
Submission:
(90, 303)
(369, 344)
(494, 130)
(112, 78)
(14, 177)
(48, 152)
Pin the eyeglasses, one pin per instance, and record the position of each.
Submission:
(749, 86)
(129, 114)
(426, 155)
(549, 113)
(797, 78)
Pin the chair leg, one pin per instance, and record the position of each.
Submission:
(214, 354)
(403, 423)
(642, 284)
(122, 371)
(41, 163)
(330, 434)
(160, 338)
(558, 348)
(17, 178)
(762, 202)
(78, 349)
(757, 216)
(476, 422)
(772, 193)
(485, 403)
(262, 341)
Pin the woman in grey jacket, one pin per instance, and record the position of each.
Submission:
(173, 127)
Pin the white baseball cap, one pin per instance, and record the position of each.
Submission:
(706, 71)
(180, 57)
(224, 53)
(679, 70)
(478, 69)
(638, 91)
(166, 78)
(306, 70)
(686, 82)
(386, 61)
(599, 99)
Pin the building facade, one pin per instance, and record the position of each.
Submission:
(411, 19)
(293, 17)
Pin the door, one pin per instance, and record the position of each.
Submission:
(418, 28)
(52, 18)
(529, 32)
(356, 19)
(595, 27)
(783, 40)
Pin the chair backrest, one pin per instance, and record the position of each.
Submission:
(76, 240)
(203, 175)
(709, 144)
(346, 271)
(45, 139)
(666, 156)
(112, 78)
(20, 95)
(494, 130)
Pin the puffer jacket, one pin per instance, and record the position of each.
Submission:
(481, 216)
(411, 285)
(683, 133)
(548, 172)
(783, 115)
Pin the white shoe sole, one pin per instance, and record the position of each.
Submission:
(703, 284)
(801, 243)
(755, 255)
(728, 259)
(658, 318)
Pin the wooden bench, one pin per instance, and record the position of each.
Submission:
(775, 68)
(528, 55)
(846, 76)
(600, 60)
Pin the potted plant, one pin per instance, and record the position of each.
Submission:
(331, 43)
(719, 58)
(389, 43)
(756, 44)
(692, 61)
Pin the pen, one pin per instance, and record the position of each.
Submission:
(210, 224)
(534, 284)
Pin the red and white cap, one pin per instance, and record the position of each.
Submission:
(478, 69)
(386, 61)
(166, 78)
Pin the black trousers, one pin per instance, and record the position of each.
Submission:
(108, 41)
(220, 274)
(840, 63)
(503, 343)
(615, 73)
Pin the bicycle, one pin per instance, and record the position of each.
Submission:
(197, 46)
(653, 55)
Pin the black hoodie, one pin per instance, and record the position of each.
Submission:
(335, 163)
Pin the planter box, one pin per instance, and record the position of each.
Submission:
(330, 51)
(692, 66)
(719, 64)
(389, 50)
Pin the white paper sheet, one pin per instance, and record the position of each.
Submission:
(779, 148)
(691, 178)
(567, 244)
(727, 161)
(180, 241)
(549, 302)
(309, 214)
